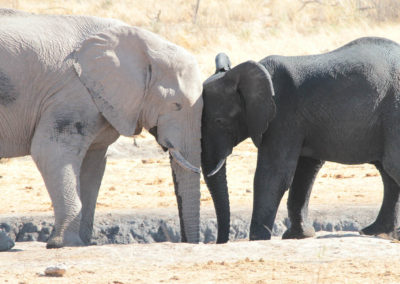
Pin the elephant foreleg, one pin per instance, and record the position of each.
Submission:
(388, 217)
(92, 171)
(299, 196)
(276, 166)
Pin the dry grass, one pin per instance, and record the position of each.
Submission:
(244, 29)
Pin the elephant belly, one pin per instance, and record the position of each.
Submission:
(12, 149)
(358, 147)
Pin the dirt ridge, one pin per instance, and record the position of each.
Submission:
(161, 225)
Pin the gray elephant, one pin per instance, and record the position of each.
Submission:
(71, 85)
(341, 106)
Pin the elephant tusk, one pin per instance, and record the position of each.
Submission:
(180, 160)
(219, 166)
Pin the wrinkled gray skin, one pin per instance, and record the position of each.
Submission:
(341, 106)
(70, 85)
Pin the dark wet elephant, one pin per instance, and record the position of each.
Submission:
(341, 106)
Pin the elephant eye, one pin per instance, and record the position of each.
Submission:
(177, 106)
(220, 121)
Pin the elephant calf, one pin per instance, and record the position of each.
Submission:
(341, 106)
(70, 85)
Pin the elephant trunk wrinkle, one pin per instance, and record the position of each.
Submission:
(219, 191)
(187, 190)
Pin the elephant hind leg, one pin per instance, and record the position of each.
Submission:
(299, 196)
(387, 219)
(92, 171)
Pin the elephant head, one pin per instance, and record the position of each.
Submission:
(138, 80)
(238, 103)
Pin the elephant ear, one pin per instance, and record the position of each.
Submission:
(114, 67)
(222, 63)
(254, 85)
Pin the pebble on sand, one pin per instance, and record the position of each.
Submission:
(56, 271)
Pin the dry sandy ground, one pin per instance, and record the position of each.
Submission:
(142, 180)
(339, 258)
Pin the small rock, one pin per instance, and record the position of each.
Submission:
(5, 242)
(55, 271)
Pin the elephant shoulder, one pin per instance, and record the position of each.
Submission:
(272, 62)
(280, 65)
(282, 70)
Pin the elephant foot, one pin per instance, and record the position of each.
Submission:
(299, 233)
(222, 241)
(69, 240)
(390, 236)
(86, 238)
(381, 230)
(260, 235)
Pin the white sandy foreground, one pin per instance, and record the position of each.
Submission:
(342, 257)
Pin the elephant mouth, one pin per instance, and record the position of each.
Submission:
(175, 154)
(153, 131)
(221, 161)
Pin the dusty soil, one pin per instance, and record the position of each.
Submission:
(139, 177)
(338, 258)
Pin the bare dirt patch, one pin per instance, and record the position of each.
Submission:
(338, 258)
(139, 178)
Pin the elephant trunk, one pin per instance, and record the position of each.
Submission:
(187, 190)
(219, 192)
(184, 162)
(217, 185)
